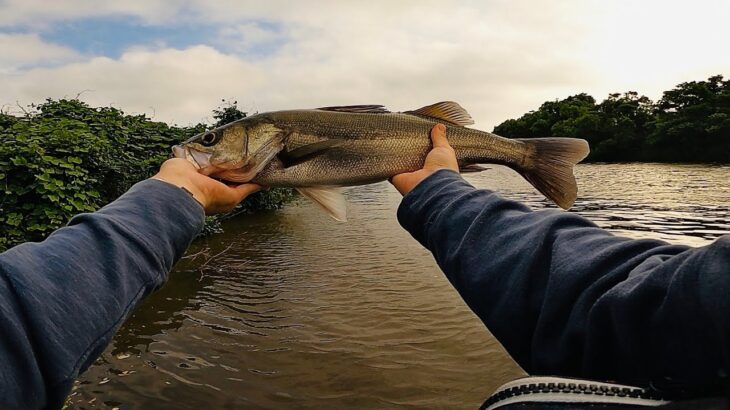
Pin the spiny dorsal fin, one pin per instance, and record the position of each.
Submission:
(328, 198)
(371, 109)
(445, 111)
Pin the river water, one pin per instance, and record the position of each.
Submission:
(291, 309)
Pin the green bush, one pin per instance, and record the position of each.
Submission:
(63, 157)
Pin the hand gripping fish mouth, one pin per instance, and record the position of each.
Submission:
(202, 162)
(211, 155)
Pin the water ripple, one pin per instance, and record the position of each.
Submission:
(305, 312)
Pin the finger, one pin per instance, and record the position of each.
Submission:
(205, 171)
(397, 179)
(175, 164)
(399, 182)
(438, 136)
(247, 189)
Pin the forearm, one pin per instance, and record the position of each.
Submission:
(566, 297)
(64, 298)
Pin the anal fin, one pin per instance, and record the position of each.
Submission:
(328, 198)
(471, 168)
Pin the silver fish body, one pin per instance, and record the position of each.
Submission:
(316, 150)
(375, 147)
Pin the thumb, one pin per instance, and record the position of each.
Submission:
(438, 136)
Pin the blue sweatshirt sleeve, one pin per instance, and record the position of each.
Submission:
(566, 297)
(61, 300)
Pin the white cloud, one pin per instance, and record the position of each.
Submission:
(40, 13)
(247, 37)
(175, 85)
(499, 59)
(17, 50)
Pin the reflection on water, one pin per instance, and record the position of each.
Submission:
(683, 204)
(290, 309)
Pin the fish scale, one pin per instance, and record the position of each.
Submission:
(376, 147)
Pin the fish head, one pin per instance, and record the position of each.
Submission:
(232, 151)
(215, 150)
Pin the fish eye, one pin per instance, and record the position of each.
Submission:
(208, 139)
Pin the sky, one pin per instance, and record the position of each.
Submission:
(176, 60)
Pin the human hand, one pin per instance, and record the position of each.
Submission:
(441, 156)
(215, 196)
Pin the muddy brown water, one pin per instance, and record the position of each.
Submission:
(289, 309)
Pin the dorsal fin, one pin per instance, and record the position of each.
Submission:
(444, 111)
(372, 109)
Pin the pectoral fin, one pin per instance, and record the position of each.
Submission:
(265, 154)
(328, 198)
(303, 153)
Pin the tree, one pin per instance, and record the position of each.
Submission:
(553, 118)
(615, 128)
(227, 112)
(693, 122)
(626, 120)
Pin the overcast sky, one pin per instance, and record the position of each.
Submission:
(175, 60)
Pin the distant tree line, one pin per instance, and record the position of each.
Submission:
(690, 123)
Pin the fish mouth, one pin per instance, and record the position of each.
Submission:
(200, 160)
(179, 152)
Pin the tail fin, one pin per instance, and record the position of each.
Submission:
(550, 167)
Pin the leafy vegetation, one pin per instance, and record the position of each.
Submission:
(63, 157)
(690, 123)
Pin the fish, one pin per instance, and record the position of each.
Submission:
(320, 151)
